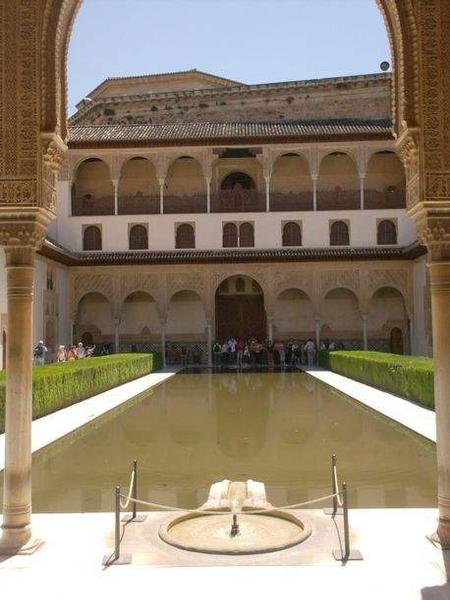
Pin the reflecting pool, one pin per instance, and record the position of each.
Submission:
(197, 428)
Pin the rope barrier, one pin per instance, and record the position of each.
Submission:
(125, 505)
(336, 483)
(228, 512)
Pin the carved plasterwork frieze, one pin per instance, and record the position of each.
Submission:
(139, 282)
(437, 186)
(339, 278)
(85, 283)
(53, 151)
(435, 235)
(194, 281)
(408, 150)
(22, 234)
(302, 280)
(397, 278)
(21, 192)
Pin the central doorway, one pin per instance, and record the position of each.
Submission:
(240, 309)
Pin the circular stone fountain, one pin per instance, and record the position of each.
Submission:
(235, 532)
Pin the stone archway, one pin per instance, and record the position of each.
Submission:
(35, 36)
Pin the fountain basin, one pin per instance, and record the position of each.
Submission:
(258, 533)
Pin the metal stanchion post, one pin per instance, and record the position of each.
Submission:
(116, 558)
(117, 525)
(347, 554)
(346, 527)
(134, 487)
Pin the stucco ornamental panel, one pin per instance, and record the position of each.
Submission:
(186, 281)
(302, 280)
(85, 283)
(139, 282)
(397, 278)
(339, 279)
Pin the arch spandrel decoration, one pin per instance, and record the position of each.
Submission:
(85, 283)
(399, 279)
(340, 278)
(301, 280)
(196, 282)
(139, 282)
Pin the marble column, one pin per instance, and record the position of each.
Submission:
(440, 302)
(364, 321)
(314, 180)
(210, 343)
(16, 528)
(163, 342)
(71, 325)
(116, 335)
(362, 179)
(116, 196)
(208, 194)
(267, 180)
(317, 326)
(161, 196)
(270, 328)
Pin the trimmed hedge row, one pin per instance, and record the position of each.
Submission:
(56, 386)
(406, 376)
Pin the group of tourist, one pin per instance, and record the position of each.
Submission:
(254, 352)
(63, 354)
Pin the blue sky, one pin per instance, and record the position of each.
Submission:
(253, 41)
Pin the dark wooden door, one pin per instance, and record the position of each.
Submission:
(240, 316)
(396, 341)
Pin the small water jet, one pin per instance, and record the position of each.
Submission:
(256, 525)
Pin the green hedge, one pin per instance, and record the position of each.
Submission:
(406, 376)
(56, 386)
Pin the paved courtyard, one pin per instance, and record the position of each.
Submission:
(399, 563)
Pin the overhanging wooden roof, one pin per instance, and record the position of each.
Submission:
(195, 133)
(55, 251)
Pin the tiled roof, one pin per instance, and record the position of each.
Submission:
(54, 250)
(227, 130)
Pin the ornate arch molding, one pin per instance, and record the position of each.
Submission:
(401, 25)
(58, 20)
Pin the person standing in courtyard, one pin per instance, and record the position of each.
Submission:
(310, 352)
(61, 355)
(80, 351)
(39, 354)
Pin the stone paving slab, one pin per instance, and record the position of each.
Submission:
(62, 422)
(419, 419)
(399, 564)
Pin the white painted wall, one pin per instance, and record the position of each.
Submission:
(64, 317)
(40, 284)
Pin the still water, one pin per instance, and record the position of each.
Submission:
(279, 428)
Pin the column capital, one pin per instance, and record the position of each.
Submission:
(23, 230)
(434, 230)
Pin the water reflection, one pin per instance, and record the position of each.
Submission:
(280, 428)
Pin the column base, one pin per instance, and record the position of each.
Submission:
(18, 541)
(441, 537)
